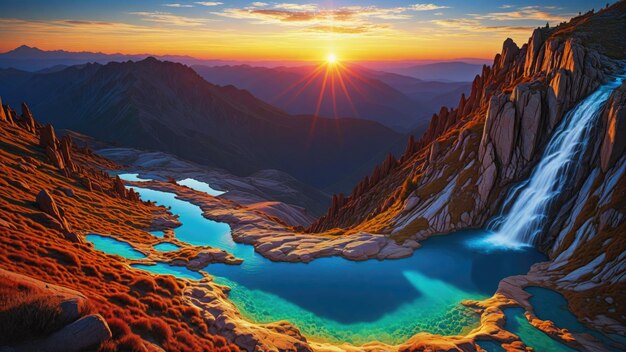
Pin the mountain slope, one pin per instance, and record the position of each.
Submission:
(459, 174)
(453, 71)
(168, 107)
(327, 90)
(54, 285)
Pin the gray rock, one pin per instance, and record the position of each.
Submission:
(86, 332)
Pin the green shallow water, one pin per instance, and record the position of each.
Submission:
(166, 269)
(334, 299)
(393, 327)
(517, 323)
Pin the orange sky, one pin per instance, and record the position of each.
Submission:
(277, 31)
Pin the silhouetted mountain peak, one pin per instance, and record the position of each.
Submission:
(25, 48)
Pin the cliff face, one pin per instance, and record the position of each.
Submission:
(459, 173)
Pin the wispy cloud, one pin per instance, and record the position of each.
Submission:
(209, 3)
(344, 20)
(259, 4)
(427, 7)
(535, 13)
(177, 5)
(367, 28)
(472, 26)
(296, 7)
(171, 19)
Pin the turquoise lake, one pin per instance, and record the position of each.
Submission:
(166, 247)
(334, 299)
(113, 246)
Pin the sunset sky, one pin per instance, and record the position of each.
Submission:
(353, 30)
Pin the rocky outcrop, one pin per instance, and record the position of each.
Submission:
(3, 114)
(46, 203)
(614, 118)
(86, 332)
(27, 119)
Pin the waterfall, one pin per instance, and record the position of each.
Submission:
(529, 201)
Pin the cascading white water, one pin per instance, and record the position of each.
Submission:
(531, 199)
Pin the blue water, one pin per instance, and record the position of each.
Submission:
(200, 186)
(339, 300)
(112, 246)
(195, 229)
(490, 346)
(166, 247)
(159, 234)
(131, 177)
(166, 269)
(517, 323)
(551, 305)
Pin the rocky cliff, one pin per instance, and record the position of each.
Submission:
(459, 173)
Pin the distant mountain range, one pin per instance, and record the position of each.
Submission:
(399, 102)
(452, 71)
(34, 59)
(167, 106)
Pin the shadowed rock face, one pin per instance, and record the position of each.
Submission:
(614, 117)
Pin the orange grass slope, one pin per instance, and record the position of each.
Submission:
(142, 312)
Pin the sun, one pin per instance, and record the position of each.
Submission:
(331, 58)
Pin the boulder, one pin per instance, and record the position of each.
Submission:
(86, 332)
(46, 203)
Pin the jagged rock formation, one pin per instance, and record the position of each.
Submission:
(59, 153)
(459, 173)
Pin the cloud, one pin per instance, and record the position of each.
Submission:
(472, 25)
(259, 4)
(209, 3)
(346, 29)
(426, 7)
(343, 20)
(296, 7)
(286, 13)
(177, 5)
(168, 18)
(535, 13)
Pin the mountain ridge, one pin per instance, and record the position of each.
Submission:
(154, 105)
